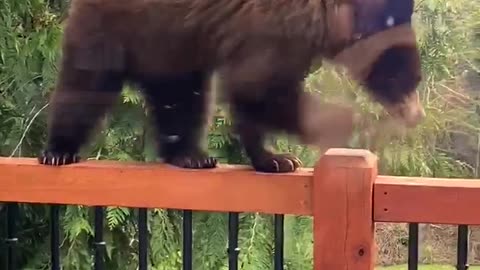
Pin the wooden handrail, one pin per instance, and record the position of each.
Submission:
(104, 183)
(427, 200)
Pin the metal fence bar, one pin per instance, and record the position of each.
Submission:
(233, 249)
(100, 244)
(413, 246)
(187, 240)
(12, 238)
(142, 239)
(279, 242)
(462, 248)
(54, 237)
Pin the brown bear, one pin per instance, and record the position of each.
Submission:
(261, 51)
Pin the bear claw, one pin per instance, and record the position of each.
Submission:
(199, 161)
(277, 163)
(57, 158)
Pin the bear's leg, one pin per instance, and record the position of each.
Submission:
(255, 117)
(81, 99)
(180, 108)
(263, 84)
(262, 159)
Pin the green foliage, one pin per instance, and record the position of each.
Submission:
(28, 51)
(30, 31)
(116, 216)
(298, 243)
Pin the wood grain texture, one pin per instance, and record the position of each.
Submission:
(427, 200)
(105, 183)
(342, 210)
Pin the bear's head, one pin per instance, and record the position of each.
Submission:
(380, 53)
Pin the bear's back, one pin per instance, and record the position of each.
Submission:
(162, 36)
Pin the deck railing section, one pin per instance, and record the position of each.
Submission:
(343, 193)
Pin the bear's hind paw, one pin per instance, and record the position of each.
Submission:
(197, 161)
(277, 163)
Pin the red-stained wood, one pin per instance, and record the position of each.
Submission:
(342, 210)
(427, 200)
(103, 183)
(344, 195)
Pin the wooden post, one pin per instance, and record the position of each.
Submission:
(343, 210)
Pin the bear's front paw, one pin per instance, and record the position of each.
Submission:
(193, 161)
(54, 158)
(277, 163)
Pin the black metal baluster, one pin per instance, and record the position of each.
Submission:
(54, 237)
(413, 246)
(279, 242)
(233, 250)
(187, 240)
(100, 244)
(12, 238)
(142, 239)
(462, 248)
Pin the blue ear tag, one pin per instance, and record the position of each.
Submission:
(372, 17)
(390, 21)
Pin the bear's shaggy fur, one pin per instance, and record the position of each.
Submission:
(261, 50)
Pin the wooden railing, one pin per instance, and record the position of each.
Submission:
(343, 194)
